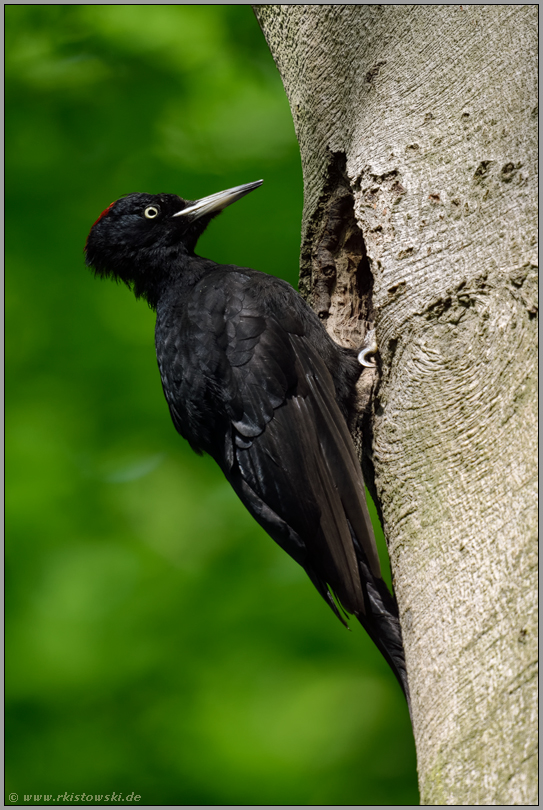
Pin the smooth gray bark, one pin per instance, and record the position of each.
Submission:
(424, 117)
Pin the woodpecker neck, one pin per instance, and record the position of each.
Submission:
(177, 271)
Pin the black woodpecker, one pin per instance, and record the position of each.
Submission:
(252, 377)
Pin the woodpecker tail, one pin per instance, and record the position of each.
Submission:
(382, 624)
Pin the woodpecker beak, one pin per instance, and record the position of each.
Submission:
(216, 202)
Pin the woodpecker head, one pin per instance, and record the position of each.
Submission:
(140, 235)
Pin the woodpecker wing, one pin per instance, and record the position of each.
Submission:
(246, 383)
(248, 372)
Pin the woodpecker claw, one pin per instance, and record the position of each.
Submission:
(370, 347)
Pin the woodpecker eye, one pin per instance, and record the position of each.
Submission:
(151, 212)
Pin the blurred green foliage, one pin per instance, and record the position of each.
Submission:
(157, 640)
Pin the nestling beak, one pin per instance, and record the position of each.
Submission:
(218, 201)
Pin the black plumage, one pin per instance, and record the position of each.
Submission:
(252, 378)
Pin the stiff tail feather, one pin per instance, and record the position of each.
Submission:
(382, 624)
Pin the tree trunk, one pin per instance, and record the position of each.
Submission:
(417, 129)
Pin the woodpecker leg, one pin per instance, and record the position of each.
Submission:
(369, 348)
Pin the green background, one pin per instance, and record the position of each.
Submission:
(157, 640)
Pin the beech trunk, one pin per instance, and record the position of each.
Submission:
(417, 131)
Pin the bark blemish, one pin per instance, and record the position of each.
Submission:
(482, 170)
(392, 346)
(372, 74)
(397, 289)
(376, 201)
(508, 172)
(452, 307)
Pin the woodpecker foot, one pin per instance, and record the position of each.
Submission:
(369, 348)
